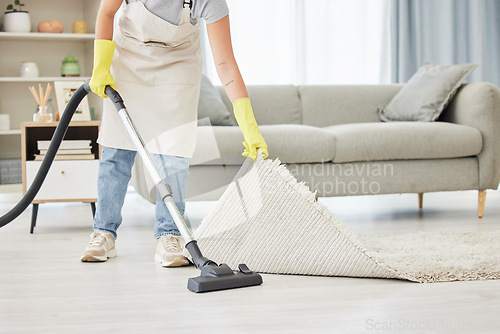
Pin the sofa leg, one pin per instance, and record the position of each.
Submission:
(481, 202)
(420, 200)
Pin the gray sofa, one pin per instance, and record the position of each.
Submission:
(331, 137)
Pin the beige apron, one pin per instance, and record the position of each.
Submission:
(157, 69)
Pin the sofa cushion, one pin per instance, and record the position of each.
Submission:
(291, 143)
(272, 104)
(404, 141)
(211, 109)
(344, 104)
(427, 93)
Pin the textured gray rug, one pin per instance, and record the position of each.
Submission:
(272, 223)
(438, 256)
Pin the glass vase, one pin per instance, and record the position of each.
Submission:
(42, 116)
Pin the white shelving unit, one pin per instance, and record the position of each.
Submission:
(42, 79)
(10, 132)
(48, 51)
(36, 36)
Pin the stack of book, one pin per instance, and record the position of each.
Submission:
(69, 150)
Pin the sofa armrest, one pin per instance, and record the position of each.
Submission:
(478, 105)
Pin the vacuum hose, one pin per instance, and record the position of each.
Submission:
(55, 142)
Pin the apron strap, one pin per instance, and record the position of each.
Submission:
(189, 3)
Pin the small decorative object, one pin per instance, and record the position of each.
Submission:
(16, 19)
(70, 67)
(64, 91)
(41, 115)
(79, 27)
(29, 69)
(4, 122)
(53, 27)
(49, 109)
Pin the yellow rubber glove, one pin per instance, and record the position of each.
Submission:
(248, 126)
(101, 75)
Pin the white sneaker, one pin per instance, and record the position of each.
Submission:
(169, 251)
(100, 248)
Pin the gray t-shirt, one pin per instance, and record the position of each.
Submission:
(171, 10)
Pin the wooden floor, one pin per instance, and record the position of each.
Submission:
(44, 288)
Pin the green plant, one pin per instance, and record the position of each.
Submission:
(16, 7)
(69, 59)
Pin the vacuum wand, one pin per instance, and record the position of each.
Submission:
(213, 276)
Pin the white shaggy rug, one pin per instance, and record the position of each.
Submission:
(272, 223)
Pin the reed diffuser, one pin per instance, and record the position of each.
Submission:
(41, 115)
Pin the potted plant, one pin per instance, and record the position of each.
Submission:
(16, 19)
(70, 67)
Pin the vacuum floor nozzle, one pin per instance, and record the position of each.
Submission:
(220, 277)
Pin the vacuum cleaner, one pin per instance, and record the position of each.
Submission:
(213, 276)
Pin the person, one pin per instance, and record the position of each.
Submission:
(153, 59)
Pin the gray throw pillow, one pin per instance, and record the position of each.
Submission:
(210, 106)
(427, 93)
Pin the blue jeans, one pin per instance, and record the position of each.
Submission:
(115, 170)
